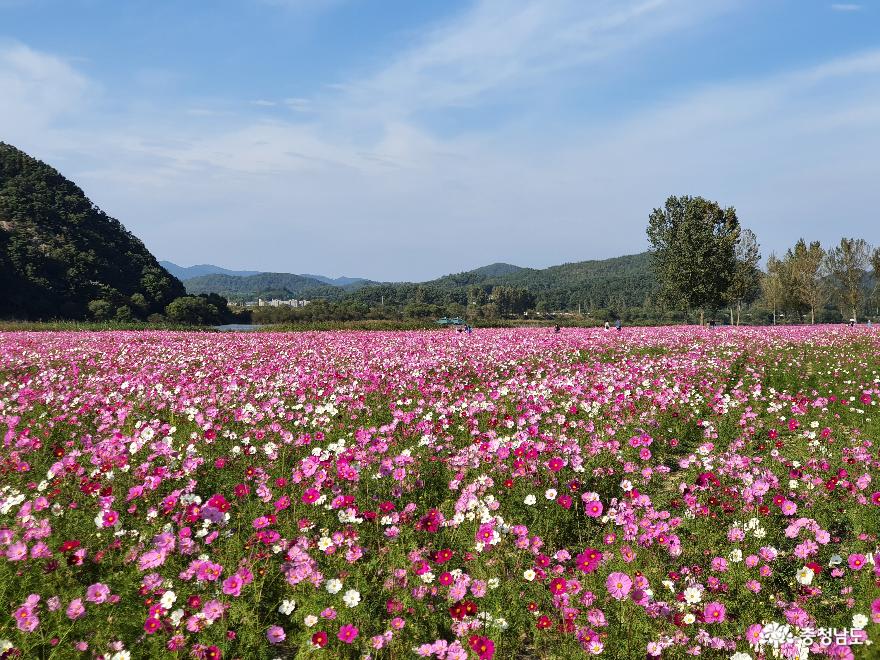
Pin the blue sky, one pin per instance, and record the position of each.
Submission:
(398, 140)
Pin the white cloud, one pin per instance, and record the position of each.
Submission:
(38, 88)
(845, 6)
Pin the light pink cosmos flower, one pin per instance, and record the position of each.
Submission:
(98, 593)
(618, 585)
(17, 551)
(76, 609)
(275, 634)
(151, 559)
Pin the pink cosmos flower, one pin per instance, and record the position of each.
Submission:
(618, 585)
(753, 634)
(151, 559)
(232, 585)
(26, 619)
(714, 612)
(76, 609)
(558, 586)
(275, 634)
(17, 551)
(98, 593)
(593, 509)
(856, 561)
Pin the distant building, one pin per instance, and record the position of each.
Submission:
(276, 302)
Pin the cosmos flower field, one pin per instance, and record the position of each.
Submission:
(509, 494)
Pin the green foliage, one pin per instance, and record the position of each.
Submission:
(199, 310)
(848, 266)
(59, 253)
(694, 248)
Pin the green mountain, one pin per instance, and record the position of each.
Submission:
(263, 285)
(184, 273)
(619, 282)
(62, 257)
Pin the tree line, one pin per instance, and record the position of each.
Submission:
(705, 261)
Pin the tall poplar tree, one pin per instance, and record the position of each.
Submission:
(745, 285)
(805, 265)
(848, 263)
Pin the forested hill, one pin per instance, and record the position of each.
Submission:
(263, 285)
(619, 282)
(59, 253)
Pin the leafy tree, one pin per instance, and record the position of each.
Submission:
(124, 314)
(805, 272)
(193, 310)
(694, 258)
(875, 267)
(745, 285)
(847, 263)
(773, 285)
(101, 310)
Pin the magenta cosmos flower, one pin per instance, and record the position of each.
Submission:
(618, 585)
(714, 612)
(856, 561)
(348, 633)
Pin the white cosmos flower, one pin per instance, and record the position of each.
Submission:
(693, 595)
(333, 586)
(529, 575)
(859, 621)
(287, 607)
(168, 599)
(351, 598)
(530, 500)
(310, 620)
(805, 575)
(550, 494)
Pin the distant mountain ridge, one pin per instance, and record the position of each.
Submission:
(262, 285)
(620, 281)
(185, 273)
(188, 272)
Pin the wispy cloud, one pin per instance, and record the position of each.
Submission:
(501, 45)
(38, 87)
(845, 6)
